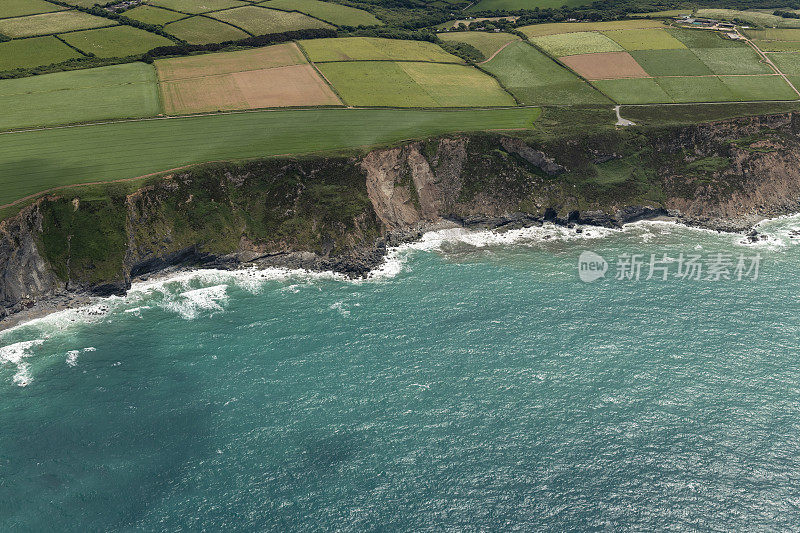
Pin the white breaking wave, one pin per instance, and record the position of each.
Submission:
(189, 293)
(15, 354)
(72, 355)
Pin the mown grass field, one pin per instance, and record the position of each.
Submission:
(33, 162)
(328, 11)
(26, 53)
(118, 91)
(260, 21)
(198, 66)
(19, 8)
(671, 63)
(202, 30)
(633, 91)
(409, 84)
(487, 43)
(742, 60)
(647, 39)
(197, 6)
(750, 16)
(538, 30)
(118, 41)
(778, 46)
(568, 44)
(374, 49)
(773, 34)
(789, 63)
(49, 23)
(533, 78)
(697, 89)
(511, 5)
(153, 15)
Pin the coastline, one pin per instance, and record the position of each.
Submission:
(303, 264)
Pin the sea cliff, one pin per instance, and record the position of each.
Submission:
(342, 212)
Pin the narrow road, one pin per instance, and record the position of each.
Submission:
(768, 61)
(622, 121)
(500, 50)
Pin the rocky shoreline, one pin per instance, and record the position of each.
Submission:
(362, 261)
(343, 213)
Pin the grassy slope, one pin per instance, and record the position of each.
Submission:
(48, 23)
(119, 41)
(19, 8)
(487, 5)
(327, 11)
(364, 83)
(25, 53)
(202, 30)
(260, 21)
(536, 79)
(35, 161)
(118, 91)
(487, 43)
(372, 48)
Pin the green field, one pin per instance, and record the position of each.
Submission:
(119, 41)
(118, 91)
(33, 52)
(512, 5)
(633, 91)
(49, 23)
(538, 30)
(670, 62)
(153, 15)
(788, 63)
(334, 13)
(649, 39)
(202, 30)
(752, 17)
(33, 162)
(373, 48)
(487, 43)
(19, 8)
(778, 46)
(746, 88)
(367, 83)
(741, 60)
(709, 89)
(774, 34)
(568, 44)
(533, 78)
(697, 89)
(197, 6)
(702, 39)
(261, 21)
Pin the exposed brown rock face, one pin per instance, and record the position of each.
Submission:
(341, 213)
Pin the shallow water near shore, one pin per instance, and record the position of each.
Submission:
(473, 382)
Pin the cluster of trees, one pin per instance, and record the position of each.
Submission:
(786, 14)
(259, 40)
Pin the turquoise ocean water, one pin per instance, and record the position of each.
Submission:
(475, 383)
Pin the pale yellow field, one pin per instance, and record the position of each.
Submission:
(538, 30)
(280, 55)
(273, 76)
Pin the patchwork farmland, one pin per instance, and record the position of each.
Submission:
(274, 76)
(223, 73)
(84, 32)
(640, 63)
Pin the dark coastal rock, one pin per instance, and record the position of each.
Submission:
(343, 213)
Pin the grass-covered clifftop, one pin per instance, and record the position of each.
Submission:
(337, 211)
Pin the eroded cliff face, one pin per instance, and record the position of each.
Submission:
(340, 213)
(25, 276)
